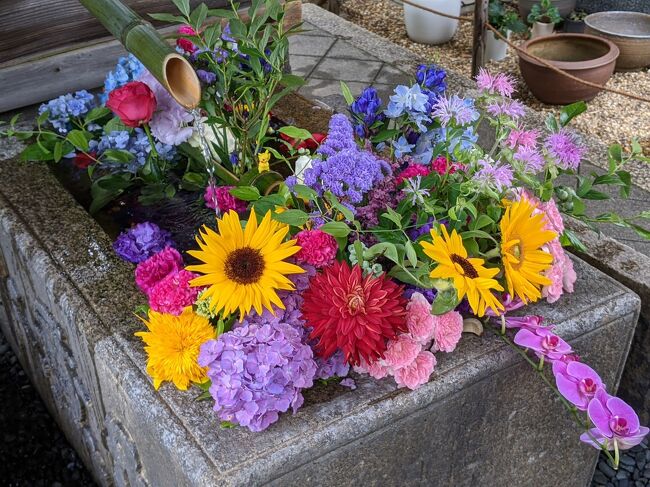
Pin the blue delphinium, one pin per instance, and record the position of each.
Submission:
(402, 147)
(411, 102)
(366, 110)
(136, 143)
(62, 109)
(128, 68)
(432, 80)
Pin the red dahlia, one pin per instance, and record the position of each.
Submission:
(353, 313)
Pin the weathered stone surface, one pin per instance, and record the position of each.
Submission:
(591, 6)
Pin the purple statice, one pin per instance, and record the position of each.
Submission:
(530, 158)
(206, 77)
(384, 194)
(497, 176)
(564, 148)
(507, 108)
(456, 110)
(142, 241)
(347, 171)
(258, 371)
(429, 294)
(63, 109)
(366, 109)
(137, 143)
(128, 69)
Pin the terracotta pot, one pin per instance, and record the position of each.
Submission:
(564, 6)
(630, 31)
(587, 57)
(541, 29)
(428, 28)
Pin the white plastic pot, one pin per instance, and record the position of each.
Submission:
(495, 48)
(541, 29)
(428, 28)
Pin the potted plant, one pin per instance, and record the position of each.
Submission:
(427, 27)
(575, 23)
(507, 21)
(543, 16)
(565, 7)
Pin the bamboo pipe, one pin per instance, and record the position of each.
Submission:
(140, 38)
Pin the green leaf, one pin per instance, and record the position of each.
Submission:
(198, 16)
(268, 203)
(615, 154)
(475, 234)
(569, 238)
(118, 155)
(58, 151)
(292, 81)
(551, 123)
(595, 195)
(336, 204)
(246, 193)
(183, 6)
(358, 251)
(43, 117)
(296, 218)
(393, 216)
(305, 192)
(35, 152)
(626, 180)
(114, 125)
(388, 249)
(347, 94)
(78, 139)
(607, 179)
(336, 229)
(481, 222)
(96, 114)
(295, 132)
(227, 425)
(569, 112)
(446, 300)
(193, 181)
(174, 19)
(410, 253)
(640, 231)
(385, 135)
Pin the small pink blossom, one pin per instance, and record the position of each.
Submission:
(224, 200)
(401, 351)
(174, 293)
(447, 332)
(522, 138)
(500, 83)
(561, 273)
(151, 271)
(411, 171)
(419, 320)
(186, 30)
(317, 248)
(418, 372)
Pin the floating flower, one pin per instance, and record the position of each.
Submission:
(317, 248)
(172, 346)
(220, 197)
(244, 268)
(418, 372)
(616, 424)
(257, 371)
(543, 342)
(141, 242)
(150, 272)
(447, 331)
(419, 320)
(471, 278)
(577, 382)
(524, 262)
(353, 313)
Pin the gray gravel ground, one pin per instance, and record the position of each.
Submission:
(634, 469)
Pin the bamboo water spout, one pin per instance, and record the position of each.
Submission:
(141, 39)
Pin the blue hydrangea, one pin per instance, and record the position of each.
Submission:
(136, 143)
(366, 108)
(128, 69)
(62, 109)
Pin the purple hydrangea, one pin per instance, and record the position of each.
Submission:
(564, 148)
(141, 242)
(347, 171)
(257, 372)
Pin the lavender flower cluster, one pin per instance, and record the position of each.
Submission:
(142, 241)
(137, 143)
(348, 171)
(128, 69)
(62, 109)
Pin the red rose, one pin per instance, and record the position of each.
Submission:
(134, 103)
(83, 160)
(310, 144)
(186, 45)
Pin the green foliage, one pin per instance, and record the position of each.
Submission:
(545, 12)
(505, 18)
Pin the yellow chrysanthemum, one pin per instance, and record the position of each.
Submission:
(263, 160)
(244, 268)
(172, 346)
(471, 278)
(522, 236)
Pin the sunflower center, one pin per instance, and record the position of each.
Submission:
(244, 266)
(356, 301)
(468, 269)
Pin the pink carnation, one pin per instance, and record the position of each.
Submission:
(151, 271)
(418, 372)
(224, 200)
(186, 30)
(317, 248)
(376, 369)
(411, 171)
(420, 321)
(174, 293)
(440, 164)
(401, 351)
(448, 330)
(561, 273)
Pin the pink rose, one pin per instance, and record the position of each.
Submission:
(419, 320)
(174, 293)
(317, 248)
(401, 351)
(417, 373)
(134, 103)
(153, 270)
(448, 329)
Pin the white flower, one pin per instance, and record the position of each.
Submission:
(302, 164)
(214, 136)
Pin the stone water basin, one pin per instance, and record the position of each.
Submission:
(630, 31)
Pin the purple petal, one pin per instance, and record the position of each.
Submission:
(620, 408)
(569, 389)
(633, 440)
(597, 435)
(583, 371)
(528, 339)
(600, 417)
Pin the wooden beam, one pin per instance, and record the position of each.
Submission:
(478, 45)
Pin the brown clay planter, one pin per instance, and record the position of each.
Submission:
(587, 57)
(564, 6)
(630, 31)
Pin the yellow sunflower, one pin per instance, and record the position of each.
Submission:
(471, 278)
(172, 346)
(522, 236)
(244, 268)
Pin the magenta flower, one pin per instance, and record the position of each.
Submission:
(616, 423)
(531, 159)
(522, 138)
(565, 149)
(543, 342)
(153, 270)
(577, 382)
(501, 83)
(531, 322)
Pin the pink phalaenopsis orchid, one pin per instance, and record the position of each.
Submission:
(530, 322)
(544, 342)
(616, 423)
(577, 382)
